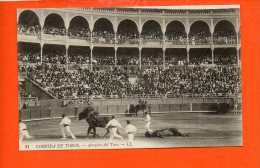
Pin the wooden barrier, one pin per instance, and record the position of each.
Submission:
(56, 112)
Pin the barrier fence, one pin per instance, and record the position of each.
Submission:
(56, 112)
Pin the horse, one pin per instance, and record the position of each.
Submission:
(164, 133)
(134, 109)
(93, 120)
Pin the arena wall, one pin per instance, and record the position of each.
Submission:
(55, 112)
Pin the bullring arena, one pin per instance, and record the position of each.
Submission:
(184, 64)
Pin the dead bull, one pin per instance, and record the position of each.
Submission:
(164, 133)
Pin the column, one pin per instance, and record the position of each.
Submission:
(211, 29)
(41, 33)
(187, 29)
(91, 49)
(140, 57)
(188, 55)
(66, 36)
(163, 56)
(238, 46)
(238, 55)
(212, 55)
(211, 41)
(140, 50)
(66, 23)
(41, 45)
(238, 40)
(163, 40)
(212, 45)
(115, 47)
(41, 41)
(67, 57)
(41, 19)
(188, 47)
(91, 56)
(187, 40)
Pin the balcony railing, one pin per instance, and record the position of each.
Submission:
(53, 37)
(128, 41)
(200, 42)
(152, 41)
(79, 38)
(175, 42)
(223, 41)
(29, 33)
(102, 40)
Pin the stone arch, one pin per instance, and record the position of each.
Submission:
(28, 16)
(79, 27)
(228, 21)
(105, 19)
(199, 23)
(224, 33)
(129, 28)
(199, 33)
(54, 24)
(77, 20)
(149, 26)
(130, 19)
(175, 29)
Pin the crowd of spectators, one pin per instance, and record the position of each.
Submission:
(149, 59)
(225, 60)
(79, 33)
(202, 59)
(29, 57)
(175, 60)
(29, 29)
(152, 34)
(22, 91)
(54, 57)
(128, 60)
(186, 80)
(54, 31)
(103, 36)
(78, 58)
(127, 37)
(200, 38)
(59, 57)
(104, 59)
(224, 37)
(178, 81)
(65, 83)
(178, 38)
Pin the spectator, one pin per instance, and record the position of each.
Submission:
(178, 81)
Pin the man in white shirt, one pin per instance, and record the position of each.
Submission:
(65, 128)
(148, 121)
(112, 125)
(130, 130)
(23, 132)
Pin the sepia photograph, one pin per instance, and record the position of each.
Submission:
(129, 77)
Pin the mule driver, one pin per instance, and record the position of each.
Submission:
(113, 125)
(65, 128)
